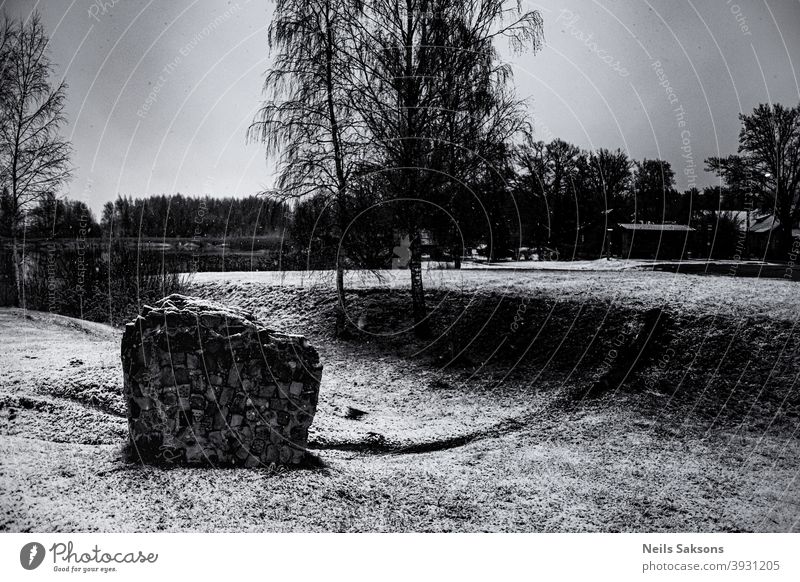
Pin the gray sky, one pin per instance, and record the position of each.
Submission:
(161, 93)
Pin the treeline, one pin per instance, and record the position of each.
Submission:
(161, 216)
(74, 264)
(551, 195)
(192, 217)
(50, 217)
(568, 198)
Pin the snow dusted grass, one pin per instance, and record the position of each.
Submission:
(703, 442)
(710, 295)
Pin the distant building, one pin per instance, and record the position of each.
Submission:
(761, 230)
(653, 241)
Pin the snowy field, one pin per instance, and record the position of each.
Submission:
(700, 438)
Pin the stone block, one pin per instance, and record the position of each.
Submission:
(227, 391)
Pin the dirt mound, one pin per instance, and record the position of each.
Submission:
(718, 367)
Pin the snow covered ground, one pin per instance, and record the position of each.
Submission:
(775, 298)
(700, 439)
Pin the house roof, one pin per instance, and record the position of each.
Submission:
(761, 222)
(656, 227)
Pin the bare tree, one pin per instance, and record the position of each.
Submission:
(607, 174)
(548, 175)
(769, 161)
(6, 39)
(306, 119)
(35, 158)
(654, 190)
(602, 184)
(434, 99)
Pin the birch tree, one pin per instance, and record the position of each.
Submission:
(306, 120)
(435, 100)
(35, 157)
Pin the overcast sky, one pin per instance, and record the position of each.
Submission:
(161, 93)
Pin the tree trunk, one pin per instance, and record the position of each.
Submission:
(341, 305)
(338, 157)
(421, 327)
(19, 300)
(786, 239)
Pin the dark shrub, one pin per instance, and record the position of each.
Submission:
(102, 281)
